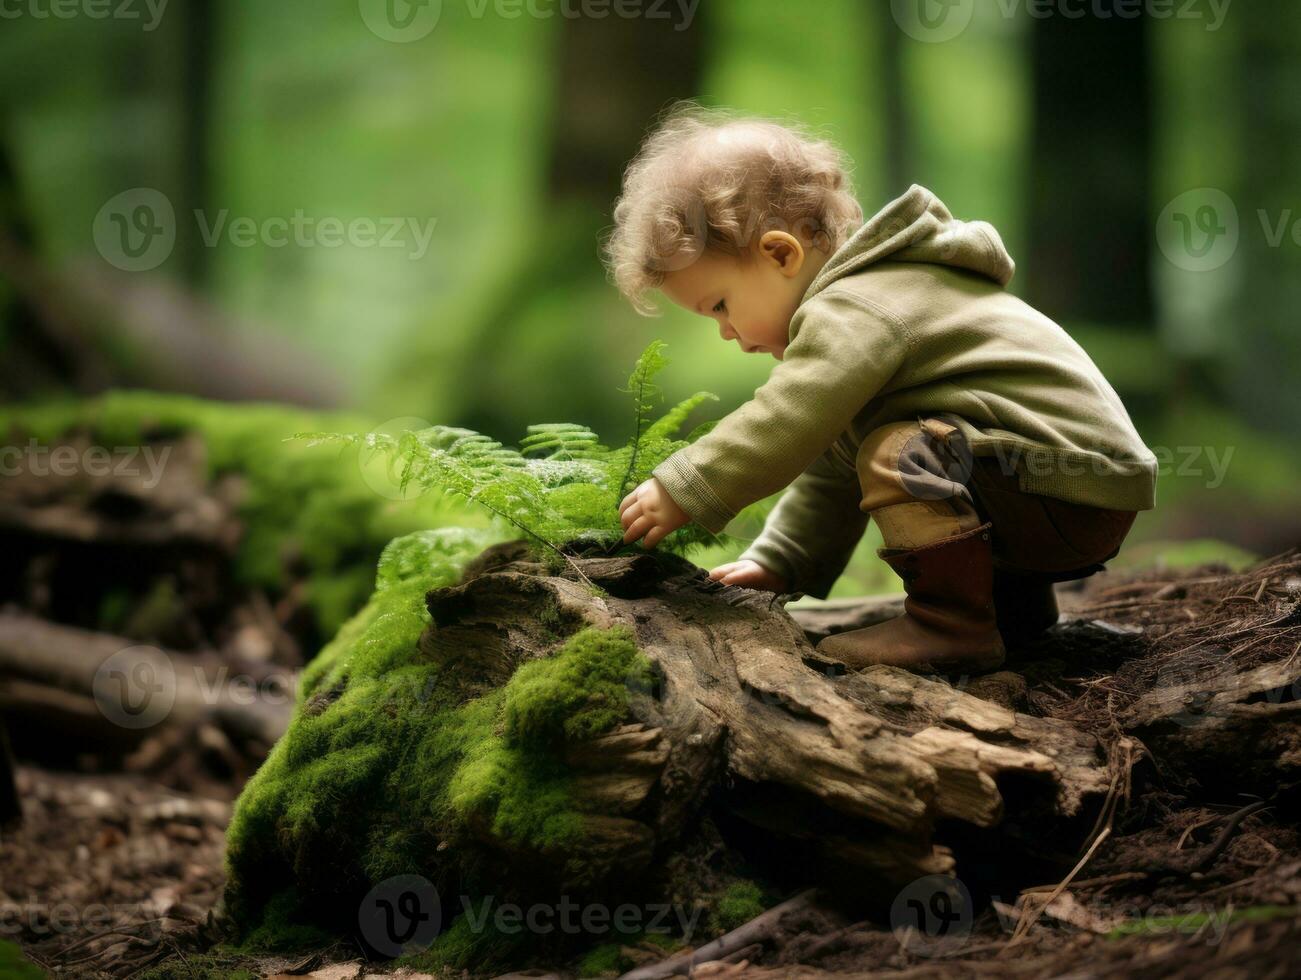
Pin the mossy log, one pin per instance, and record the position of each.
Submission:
(864, 765)
(546, 727)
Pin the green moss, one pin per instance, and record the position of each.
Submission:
(15, 966)
(579, 694)
(460, 947)
(1192, 921)
(604, 959)
(740, 902)
(386, 759)
(302, 506)
(283, 929)
(609, 958)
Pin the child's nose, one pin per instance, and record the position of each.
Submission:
(725, 330)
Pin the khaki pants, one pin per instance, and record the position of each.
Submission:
(927, 466)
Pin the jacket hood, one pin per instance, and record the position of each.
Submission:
(917, 227)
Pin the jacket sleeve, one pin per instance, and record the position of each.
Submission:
(812, 531)
(844, 351)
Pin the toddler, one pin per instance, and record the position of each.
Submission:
(910, 388)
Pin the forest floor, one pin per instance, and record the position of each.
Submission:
(1188, 875)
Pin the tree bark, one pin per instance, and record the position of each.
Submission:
(1224, 728)
(860, 770)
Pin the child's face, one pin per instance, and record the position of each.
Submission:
(752, 297)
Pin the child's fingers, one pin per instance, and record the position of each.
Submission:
(638, 528)
(631, 514)
(723, 569)
(654, 535)
(632, 496)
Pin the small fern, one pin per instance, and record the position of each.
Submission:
(562, 483)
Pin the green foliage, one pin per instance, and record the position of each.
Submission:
(387, 757)
(740, 902)
(461, 947)
(1193, 553)
(609, 958)
(15, 966)
(579, 695)
(643, 389)
(1194, 921)
(282, 928)
(561, 483)
(299, 507)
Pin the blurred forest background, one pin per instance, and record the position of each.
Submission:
(1145, 173)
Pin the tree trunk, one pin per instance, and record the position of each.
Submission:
(893, 91)
(40, 354)
(614, 75)
(860, 771)
(1265, 343)
(1091, 220)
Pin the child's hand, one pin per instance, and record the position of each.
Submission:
(649, 510)
(749, 574)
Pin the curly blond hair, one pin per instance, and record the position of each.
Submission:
(709, 179)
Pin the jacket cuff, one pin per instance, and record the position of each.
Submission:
(690, 492)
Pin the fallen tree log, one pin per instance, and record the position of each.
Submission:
(866, 773)
(1209, 722)
(84, 680)
(745, 698)
(838, 615)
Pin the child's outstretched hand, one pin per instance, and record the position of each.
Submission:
(649, 510)
(749, 574)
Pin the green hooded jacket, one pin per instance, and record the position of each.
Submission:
(908, 318)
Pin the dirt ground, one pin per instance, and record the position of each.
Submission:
(1194, 868)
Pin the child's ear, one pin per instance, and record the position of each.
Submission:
(783, 250)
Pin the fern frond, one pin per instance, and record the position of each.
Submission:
(640, 384)
(567, 439)
(314, 439)
(671, 421)
(643, 390)
(561, 483)
(700, 430)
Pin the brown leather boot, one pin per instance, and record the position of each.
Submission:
(948, 622)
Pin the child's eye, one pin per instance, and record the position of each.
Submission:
(720, 306)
